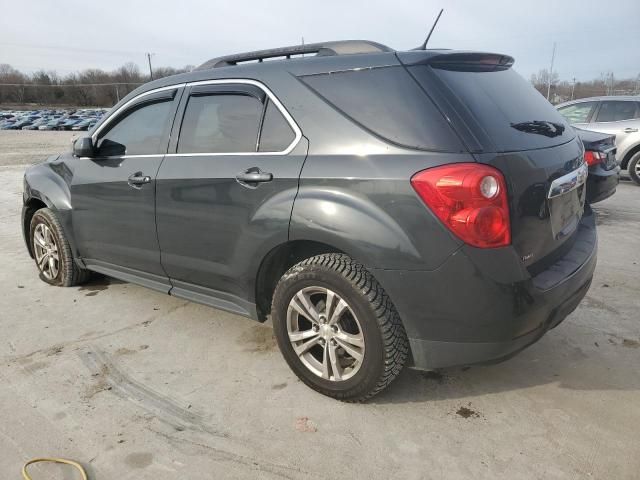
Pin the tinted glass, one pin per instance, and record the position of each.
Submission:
(500, 99)
(577, 113)
(614, 111)
(388, 103)
(276, 134)
(141, 132)
(220, 124)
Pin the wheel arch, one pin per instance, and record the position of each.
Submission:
(31, 206)
(276, 262)
(628, 156)
(47, 186)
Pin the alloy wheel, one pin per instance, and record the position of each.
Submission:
(325, 333)
(46, 251)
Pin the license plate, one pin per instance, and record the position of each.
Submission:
(566, 211)
(566, 201)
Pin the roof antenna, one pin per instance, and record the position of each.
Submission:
(424, 45)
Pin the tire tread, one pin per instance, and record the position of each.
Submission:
(394, 337)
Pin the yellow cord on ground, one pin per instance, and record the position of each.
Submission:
(76, 465)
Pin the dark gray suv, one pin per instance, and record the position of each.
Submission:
(423, 207)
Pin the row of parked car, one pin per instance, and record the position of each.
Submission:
(47, 119)
(618, 117)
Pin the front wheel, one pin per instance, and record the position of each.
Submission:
(52, 252)
(337, 329)
(634, 168)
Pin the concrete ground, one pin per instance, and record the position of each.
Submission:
(136, 384)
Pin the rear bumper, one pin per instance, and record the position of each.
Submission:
(601, 183)
(483, 307)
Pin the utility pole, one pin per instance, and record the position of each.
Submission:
(573, 87)
(553, 57)
(149, 60)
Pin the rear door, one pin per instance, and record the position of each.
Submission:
(226, 190)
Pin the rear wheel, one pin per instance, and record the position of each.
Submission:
(634, 168)
(52, 252)
(337, 329)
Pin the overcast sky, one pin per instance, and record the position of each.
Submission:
(70, 35)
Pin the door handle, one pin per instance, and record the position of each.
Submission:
(630, 130)
(253, 176)
(138, 179)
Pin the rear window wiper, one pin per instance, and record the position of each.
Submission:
(548, 129)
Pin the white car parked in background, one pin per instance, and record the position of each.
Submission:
(614, 115)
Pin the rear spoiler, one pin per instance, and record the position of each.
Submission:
(458, 61)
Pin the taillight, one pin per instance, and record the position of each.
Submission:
(594, 158)
(470, 199)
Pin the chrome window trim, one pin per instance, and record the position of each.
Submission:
(569, 182)
(94, 135)
(222, 81)
(111, 157)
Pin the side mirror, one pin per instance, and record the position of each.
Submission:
(83, 147)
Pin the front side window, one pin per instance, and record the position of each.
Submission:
(220, 123)
(615, 111)
(577, 113)
(142, 131)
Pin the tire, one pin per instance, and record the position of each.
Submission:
(360, 346)
(634, 168)
(48, 241)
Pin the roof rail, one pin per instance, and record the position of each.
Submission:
(344, 47)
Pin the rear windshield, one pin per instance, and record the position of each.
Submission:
(387, 102)
(503, 99)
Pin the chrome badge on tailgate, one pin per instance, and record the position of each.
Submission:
(568, 182)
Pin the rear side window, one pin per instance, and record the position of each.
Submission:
(276, 134)
(220, 124)
(615, 111)
(140, 132)
(578, 112)
(387, 102)
(500, 100)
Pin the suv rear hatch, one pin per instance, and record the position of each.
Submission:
(506, 123)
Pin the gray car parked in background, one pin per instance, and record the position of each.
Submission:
(619, 116)
(382, 207)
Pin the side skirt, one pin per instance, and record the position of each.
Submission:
(188, 291)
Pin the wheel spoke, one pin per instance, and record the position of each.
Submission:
(356, 354)
(301, 349)
(303, 335)
(39, 238)
(337, 312)
(52, 267)
(54, 255)
(47, 235)
(355, 340)
(325, 361)
(328, 304)
(335, 365)
(42, 261)
(303, 305)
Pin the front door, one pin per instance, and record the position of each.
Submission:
(113, 193)
(225, 193)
